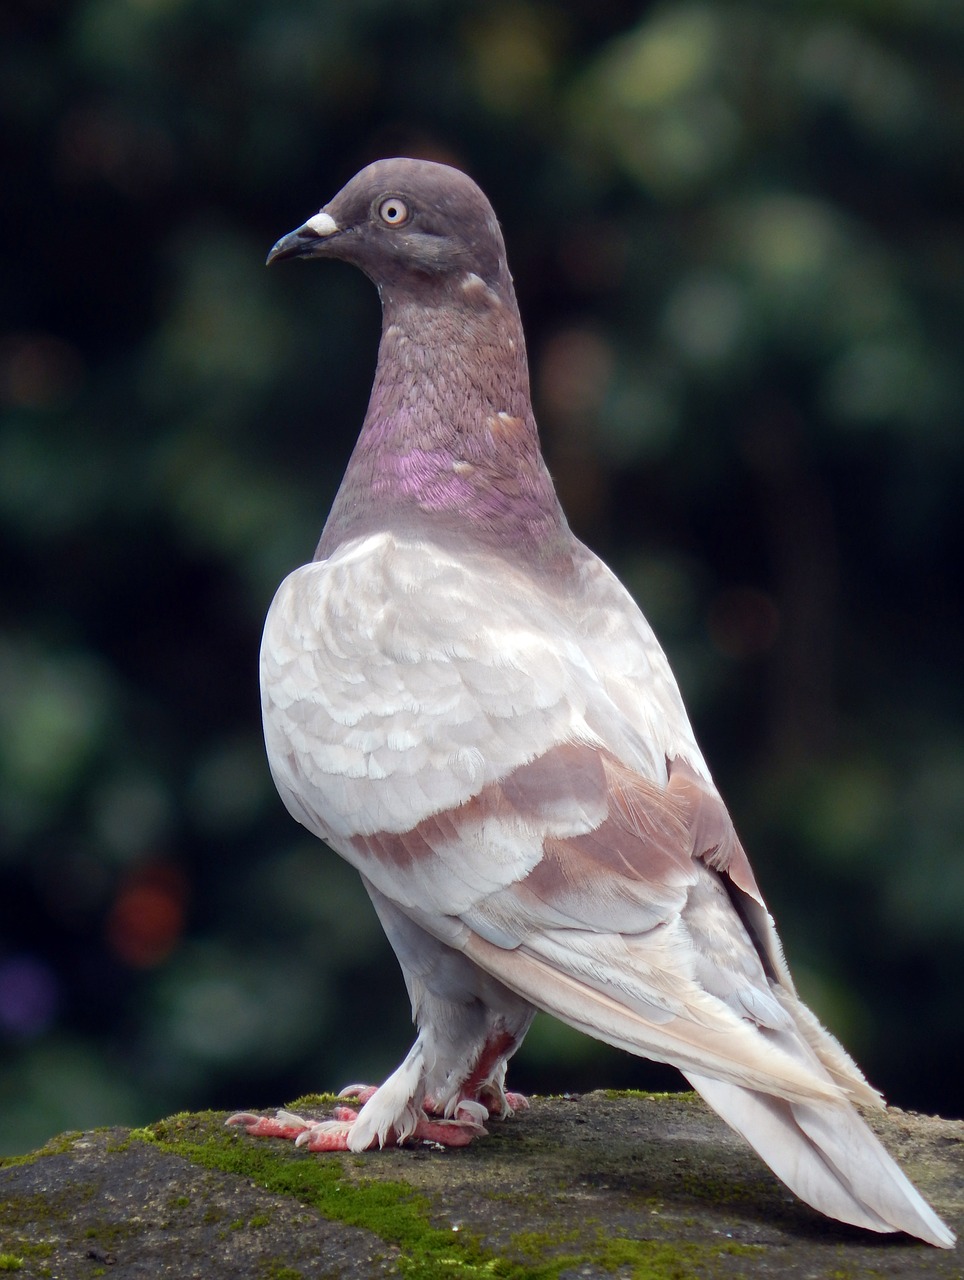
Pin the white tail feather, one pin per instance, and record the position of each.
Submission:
(829, 1157)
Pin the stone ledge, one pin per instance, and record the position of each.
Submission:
(597, 1185)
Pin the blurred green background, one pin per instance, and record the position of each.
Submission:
(736, 231)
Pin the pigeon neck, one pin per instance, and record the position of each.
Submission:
(449, 444)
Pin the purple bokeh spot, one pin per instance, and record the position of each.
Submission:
(28, 996)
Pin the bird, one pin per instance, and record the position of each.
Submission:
(464, 702)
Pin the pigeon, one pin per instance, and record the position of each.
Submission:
(465, 703)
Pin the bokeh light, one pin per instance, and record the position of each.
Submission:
(735, 232)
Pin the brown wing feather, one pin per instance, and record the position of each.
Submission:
(608, 849)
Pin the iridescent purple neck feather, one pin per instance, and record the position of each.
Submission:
(449, 443)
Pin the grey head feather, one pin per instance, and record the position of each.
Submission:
(404, 221)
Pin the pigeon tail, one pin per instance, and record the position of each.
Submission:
(829, 1157)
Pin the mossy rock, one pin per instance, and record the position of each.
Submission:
(629, 1185)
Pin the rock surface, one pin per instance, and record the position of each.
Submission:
(627, 1185)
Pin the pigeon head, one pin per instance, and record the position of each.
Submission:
(409, 225)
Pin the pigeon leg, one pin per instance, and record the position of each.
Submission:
(490, 1097)
(486, 1082)
(392, 1115)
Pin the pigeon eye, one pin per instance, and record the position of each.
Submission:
(393, 212)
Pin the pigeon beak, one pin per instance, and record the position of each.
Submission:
(306, 242)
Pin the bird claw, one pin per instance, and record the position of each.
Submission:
(283, 1124)
(361, 1092)
(474, 1112)
(499, 1103)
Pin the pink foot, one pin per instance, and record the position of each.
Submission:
(333, 1135)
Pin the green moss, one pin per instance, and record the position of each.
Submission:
(388, 1209)
(28, 1249)
(55, 1147)
(314, 1102)
(118, 1145)
(657, 1260)
(537, 1244)
(9, 1262)
(644, 1259)
(23, 1211)
(275, 1269)
(337, 1188)
(111, 1234)
(540, 1251)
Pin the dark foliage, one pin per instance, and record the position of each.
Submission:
(736, 231)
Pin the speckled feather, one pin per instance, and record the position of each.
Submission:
(465, 703)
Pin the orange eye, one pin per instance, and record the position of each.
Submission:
(393, 212)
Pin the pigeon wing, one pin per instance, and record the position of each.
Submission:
(514, 770)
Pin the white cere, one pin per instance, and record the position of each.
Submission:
(322, 224)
